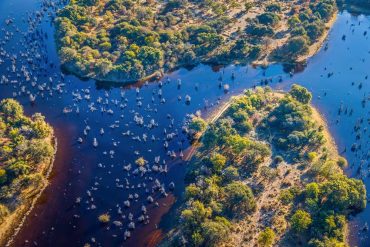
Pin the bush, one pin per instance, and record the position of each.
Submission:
(294, 48)
(239, 198)
(300, 93)
(286, 196)
(268, 18)
(3, 177)
(266, 238)
(301, 221)
(311, 156)
(259, 30)
(342, 162)
(197, 125)
(218, 162)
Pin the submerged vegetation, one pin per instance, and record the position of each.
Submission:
(128, 40)
(26, 153)
(268, 173)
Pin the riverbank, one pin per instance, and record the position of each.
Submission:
(272, 179)
(320, 42)
(12, 224)
(28, 148)
(131, 49)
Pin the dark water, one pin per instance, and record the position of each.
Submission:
(96, 175)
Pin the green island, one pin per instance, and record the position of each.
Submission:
(266, 172)
(130, 40)
(27, 149)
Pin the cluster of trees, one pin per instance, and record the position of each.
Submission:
(24, 145)
(324, 206)
(123, 40)
(216, 194)
(291, 126)
(305, 28)
(263, 25)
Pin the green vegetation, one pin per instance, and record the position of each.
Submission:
(234, 168)
(127, 40)
(26, 151)
(306, 27)
(266, 238)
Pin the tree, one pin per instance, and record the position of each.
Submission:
(11, 109)
(314, 30)
(343, 193)
(248, 5)
(301, 221)
(192, 191)
(196, 214)
(40, 128)
(295, 47)
(266, 238)
(239, 198)
(230, 173)
(300, 93)
(218, 162)
(197, 125)
(215, 231)
(268, 18)
(3, 176)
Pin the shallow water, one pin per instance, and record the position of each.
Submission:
(59, 221)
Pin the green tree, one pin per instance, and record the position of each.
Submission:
(197, 125)
(266, 238)
(301, 221)
(215, 231)
(218, 162)
(3, 177)
(300, 93)
(239, 198)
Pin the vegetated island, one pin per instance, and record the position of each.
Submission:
(129, 40)
(27, 148)
(267, 173)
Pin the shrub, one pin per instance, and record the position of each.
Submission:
(268, 18)
(342, 162)
(3, 177)
(300, 93)
(239, 198)
(197, 125)
(301, 221)
(266, 238)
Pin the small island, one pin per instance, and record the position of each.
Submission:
(27, 148)
(130, 40)
(266, 172)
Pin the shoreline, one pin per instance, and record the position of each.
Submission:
(19, 216)
(263, 61)
(213, 116)
(314, 48)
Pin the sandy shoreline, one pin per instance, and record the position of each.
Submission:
(317, 117)
(320, 42)
(13, 223)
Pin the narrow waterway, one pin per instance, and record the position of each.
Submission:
(141, 120)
